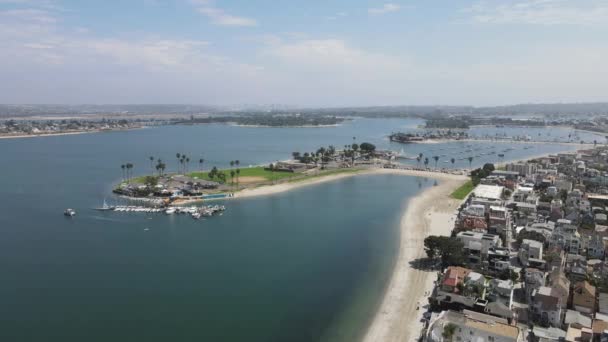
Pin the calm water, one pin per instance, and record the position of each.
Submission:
(306, 265)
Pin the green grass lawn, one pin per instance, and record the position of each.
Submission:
(463, 190)
(248, 172)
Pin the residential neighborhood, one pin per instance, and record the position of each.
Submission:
(526, 260)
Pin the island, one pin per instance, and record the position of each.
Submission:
(269, 120)
(186, 185)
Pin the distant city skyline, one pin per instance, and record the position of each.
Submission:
(304, 53)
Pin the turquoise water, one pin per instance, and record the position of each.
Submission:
(306, 265)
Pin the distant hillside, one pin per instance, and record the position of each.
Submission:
(17, 110)
(551, 109)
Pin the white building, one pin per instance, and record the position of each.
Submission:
(471, 326)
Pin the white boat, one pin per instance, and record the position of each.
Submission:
(69, 212)
(196, 216)
(105, 207)
(170, 211)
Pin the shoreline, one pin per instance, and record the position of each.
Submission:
(284, 187)
(439, 141)
(25, 136)
(431, 212)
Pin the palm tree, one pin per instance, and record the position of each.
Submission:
(470, 161)
(271, 167)
(178, 156)
(232, 173)
(187, 163)
(426, 162)
(231, 164)
(129, 167)
(452, 161)
(331, 150)
(152, 163)
(200, 163)
(237, 163)
(436, 158)
(123, 166)
(238, 173)
(418, 161)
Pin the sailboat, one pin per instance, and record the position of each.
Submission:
(105, 207)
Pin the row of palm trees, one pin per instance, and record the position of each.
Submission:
(436, 159)
(236, 172)
(127, 172)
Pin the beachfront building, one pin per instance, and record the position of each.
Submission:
(477, 246)
(459, 287)
(468, 326)
(523, 169)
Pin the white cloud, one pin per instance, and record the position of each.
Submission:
(219, 17)
(334, 57)
(30, 14)
(386, 8)
(542, 12)
(337, 16)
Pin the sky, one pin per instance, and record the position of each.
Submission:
(303, 52)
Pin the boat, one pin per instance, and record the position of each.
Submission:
(170, 211)
(69, 212)
(196, 216)
(105, 207)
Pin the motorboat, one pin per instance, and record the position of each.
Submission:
(69, 212)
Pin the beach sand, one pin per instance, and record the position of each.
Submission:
(282, 187)
(430, 213)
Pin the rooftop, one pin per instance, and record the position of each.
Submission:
(489, 191)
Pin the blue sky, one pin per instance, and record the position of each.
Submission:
(303, 53)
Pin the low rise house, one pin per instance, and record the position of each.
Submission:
(576, 319)
(477, 246)
(530, 251)
(560, 286)
(583, 298)
(603, 303)
(546, 308)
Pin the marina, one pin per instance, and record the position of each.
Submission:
(194, 211)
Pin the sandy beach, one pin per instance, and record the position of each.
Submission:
(430, 213)
(282, 187)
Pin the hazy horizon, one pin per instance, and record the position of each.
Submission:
(304, 54)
